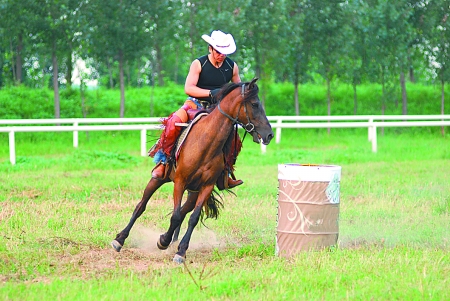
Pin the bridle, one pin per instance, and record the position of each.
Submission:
(249, 127)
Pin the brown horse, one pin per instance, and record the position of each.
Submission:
(201, 161)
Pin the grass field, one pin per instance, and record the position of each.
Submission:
(61, 207)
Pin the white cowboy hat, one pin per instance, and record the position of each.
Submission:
(222, 42)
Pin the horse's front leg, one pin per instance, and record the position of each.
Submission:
(151, 187)
(180, 256)
(175, 220)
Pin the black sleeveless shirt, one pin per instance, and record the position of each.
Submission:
(211, 78)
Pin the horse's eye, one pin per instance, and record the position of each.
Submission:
(255, 104)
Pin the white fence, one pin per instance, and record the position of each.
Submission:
(75, 125)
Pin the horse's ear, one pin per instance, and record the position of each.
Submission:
(252, 83)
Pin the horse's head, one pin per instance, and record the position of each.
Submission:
(250, 112)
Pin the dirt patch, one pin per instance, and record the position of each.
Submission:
(145, 239)
(7, 211)
(361, 243)
(141, 254)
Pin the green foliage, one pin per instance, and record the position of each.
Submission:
(422, 100)
(354, 41)
(425, 99)
(160, 101)
(25, 103)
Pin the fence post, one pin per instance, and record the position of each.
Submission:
(12, 148)
(370, 129)
(374, 139)
(263, 147)
(75, 135)
(143, 142)
(278, 132)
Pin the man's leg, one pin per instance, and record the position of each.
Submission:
(167, 141)
(231, 157)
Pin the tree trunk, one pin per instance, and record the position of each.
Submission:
(55, 81)
(128, 73)
(404, 96)
(122, 86)
(69, 70)
(83, 101)
(152, 106)
(355, 100)
(257, 59)
(83, 98)
(412, 78)
(263, 76)
(111, 80)
(297, 103)
(383, 96)
(175, 75)
(13, 67)
(159, 65)
(328, 99)
(19, 59)
(442, 101)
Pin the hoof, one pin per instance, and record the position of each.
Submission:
(160, 246)
(116, 245)
(178, 259)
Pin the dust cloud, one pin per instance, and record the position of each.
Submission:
(145, 239)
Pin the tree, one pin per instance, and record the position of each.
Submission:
(438, 49)
(385, 48)
(117, 35)
(298, 39)
(355, 58)
(16, 30)
(54, 29)
(405, 37)
(260, 31)
(330, 35)
(162, 20)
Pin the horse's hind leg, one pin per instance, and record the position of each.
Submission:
(193, 221)
(152, 186)
(177, 219)
(187, 207)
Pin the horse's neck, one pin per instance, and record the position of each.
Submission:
(220, 118)
(222, 124)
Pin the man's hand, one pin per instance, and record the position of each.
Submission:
(213, 93)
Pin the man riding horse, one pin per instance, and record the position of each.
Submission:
(207, 74)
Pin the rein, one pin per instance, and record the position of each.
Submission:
(249, 127)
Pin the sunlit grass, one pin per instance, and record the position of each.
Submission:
(60, 210)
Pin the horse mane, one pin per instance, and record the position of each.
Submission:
(250, 93)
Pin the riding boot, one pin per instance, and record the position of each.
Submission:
(230, 160)
(233, 183)
(170, 135)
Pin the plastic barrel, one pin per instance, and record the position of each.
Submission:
(308, 207)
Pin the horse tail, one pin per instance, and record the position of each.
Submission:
(212, 206)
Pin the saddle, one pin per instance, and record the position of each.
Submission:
(194, 117)
(187, 129)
